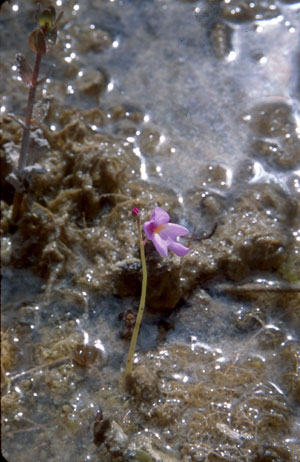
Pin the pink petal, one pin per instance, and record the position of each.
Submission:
(149, 228)
(172, 231)
(160, 245)
(159, 216)
(178, 248)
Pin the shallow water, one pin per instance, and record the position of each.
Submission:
(208, 94)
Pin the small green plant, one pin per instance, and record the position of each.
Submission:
(164, 237)
(41, 41)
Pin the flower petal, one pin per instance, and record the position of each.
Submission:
(172, 231)
(178, 248)
(160, 245)
(149, 229)
(159, 216)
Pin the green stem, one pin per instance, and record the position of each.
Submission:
(129, 363)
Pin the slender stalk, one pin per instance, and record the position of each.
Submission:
(17, 206)
(129, 363)
(19, 196)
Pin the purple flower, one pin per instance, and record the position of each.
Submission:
(164, 234)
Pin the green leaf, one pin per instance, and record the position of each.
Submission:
(37, 42)
(47, 17)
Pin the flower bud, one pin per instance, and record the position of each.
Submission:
(135, 212)
(37, 42)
